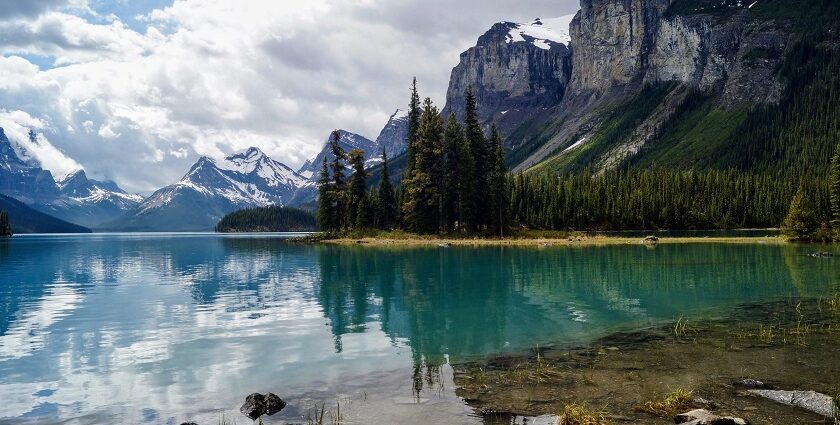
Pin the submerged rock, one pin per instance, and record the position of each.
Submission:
(705, 417)
(257, 405)
(812, 401)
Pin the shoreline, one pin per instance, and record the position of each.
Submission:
(572, 241)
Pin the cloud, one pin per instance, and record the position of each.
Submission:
(209, 77)
(17, 126)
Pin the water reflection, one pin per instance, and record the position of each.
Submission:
(147, 328)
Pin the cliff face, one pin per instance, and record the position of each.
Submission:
(618, 46)
(612, 40)
(515, 71)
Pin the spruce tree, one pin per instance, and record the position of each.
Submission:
(800, 223)
(834, 189)
(326, 211)
(422, 188)
(453, 137)
(467, 188)
(386, 203)
(357, 195)
(478, 146)
(339, 184)
(414, 112)
(498, 183)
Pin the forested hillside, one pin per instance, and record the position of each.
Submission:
(267, 219)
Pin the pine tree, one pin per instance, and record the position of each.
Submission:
(414, 112)
(453, 138)
(357, 196)
(498, 183)
(326, 206)
(478, 146)
(422, 187)
(800, 223)
(834, 188)
(338, 185)
(386, 204)
(467, 187)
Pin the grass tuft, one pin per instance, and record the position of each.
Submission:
(575, 414)
(673, 403)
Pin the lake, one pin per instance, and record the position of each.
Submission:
(162, 328)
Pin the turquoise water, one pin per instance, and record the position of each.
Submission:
(162, 328)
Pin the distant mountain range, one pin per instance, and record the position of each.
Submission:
(211, 189)
(27, 220)
(74, 198)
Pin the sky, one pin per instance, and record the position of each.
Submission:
(136, 91)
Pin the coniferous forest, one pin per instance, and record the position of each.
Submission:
(456, 182)
(267, 219)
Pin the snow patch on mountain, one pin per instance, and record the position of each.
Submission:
(542, 32)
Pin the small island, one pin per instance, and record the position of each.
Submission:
(267, 219)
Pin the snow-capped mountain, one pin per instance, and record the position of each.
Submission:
(213, 188)
(348, 141)
(75, 198)
(543, 33)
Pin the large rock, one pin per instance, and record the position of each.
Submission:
(813, 401)
(257, 405)
(704, 417)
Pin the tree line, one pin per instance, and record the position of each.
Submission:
(5, 225)
(456, 182)
(455, 179)
(267, 219)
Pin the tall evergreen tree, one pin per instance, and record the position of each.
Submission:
(422, 187)
(834, 190)
(414, 112)
(453, 137)
(326, 205)
(478, 146)
(386, 204)
(467, 188)
(338, 185)
(357, 195)
(498, 183)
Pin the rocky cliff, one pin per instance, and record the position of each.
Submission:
(516, 71)
(727, 49)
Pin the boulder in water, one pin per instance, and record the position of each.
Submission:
(257, 405)
(812, 401)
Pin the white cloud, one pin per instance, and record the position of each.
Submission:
(208, 77)
(17, 126)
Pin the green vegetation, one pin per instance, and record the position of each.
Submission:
(455, 180)
(267, 219)
(676, 402)
(575, 414)
(5, 226)
(651, 199)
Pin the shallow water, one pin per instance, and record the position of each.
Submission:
(162, 328)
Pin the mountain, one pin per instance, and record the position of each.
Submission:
(213, 188)
(673, 83)
(517, 71)
(27, 220)
(394, 136)
(75, 198)
(21, 177)
(348, 141)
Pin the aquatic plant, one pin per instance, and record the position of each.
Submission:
(680, 327)
(319, 417)
(575, 414)
(673, 403)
